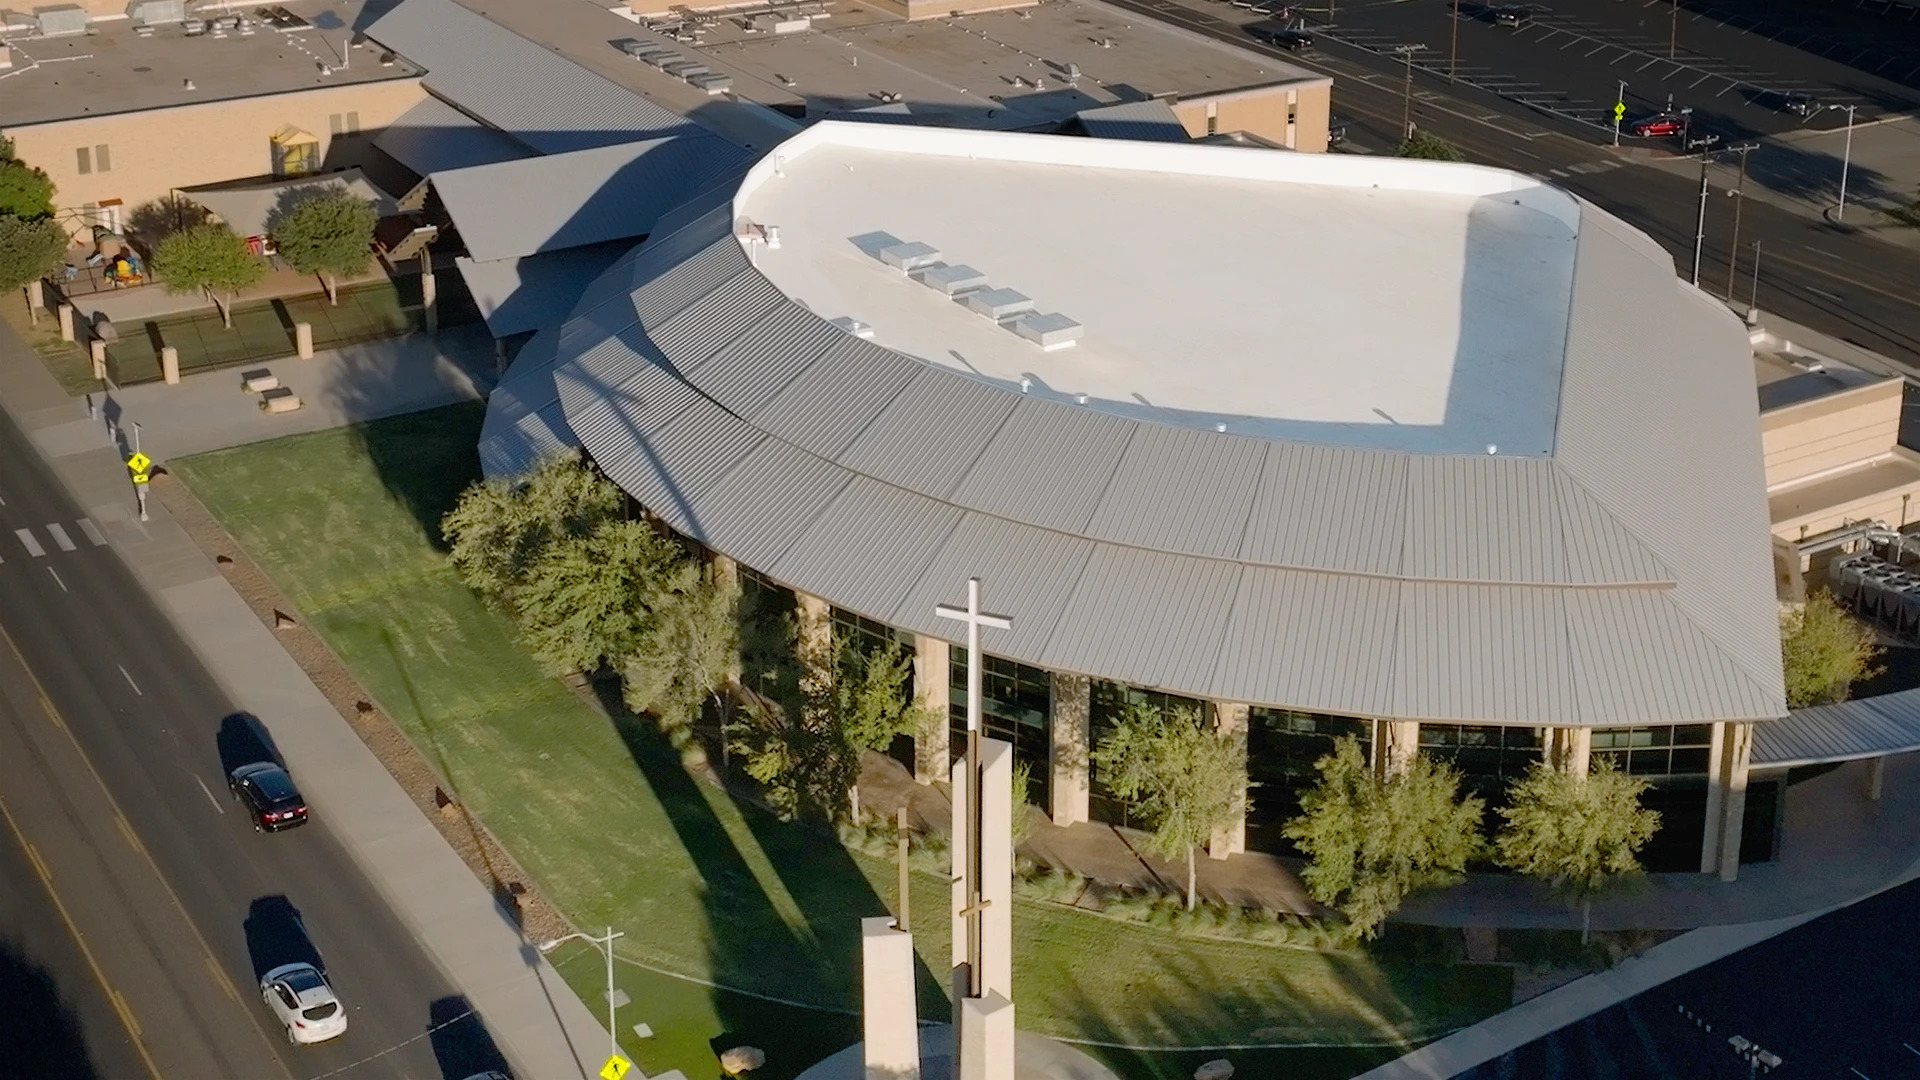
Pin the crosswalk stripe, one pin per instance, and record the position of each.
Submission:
(60, 536)
(93, 532)
(33, 546)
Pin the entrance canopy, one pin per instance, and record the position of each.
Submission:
(1866, 728)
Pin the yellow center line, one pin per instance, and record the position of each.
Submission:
(106, 795)
(39, 866)
(73, 931)
(220, 979)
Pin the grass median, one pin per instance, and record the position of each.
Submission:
(714, 896)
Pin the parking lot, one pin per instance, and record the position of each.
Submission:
(1568, 58)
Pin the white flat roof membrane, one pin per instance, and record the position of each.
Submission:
(1294, 297)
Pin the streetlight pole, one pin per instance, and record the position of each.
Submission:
(1846, 159)
(1753, 298)
(1739, 194)
(1700, 221)
(1619, 110)
(1406, 94)
(1673, 33)
(1453, 47)
(605, 945)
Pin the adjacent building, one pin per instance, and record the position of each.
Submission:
(1316, 445)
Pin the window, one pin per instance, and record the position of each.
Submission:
(1016, 704)
(84, 157)
(1282, 746)
(862, 633)
(101, 162)
(1488, 756)
(344, 123)
(1681, 750)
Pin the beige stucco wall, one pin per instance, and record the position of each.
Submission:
(1830, 432)
(1264, 111)
(156, 151)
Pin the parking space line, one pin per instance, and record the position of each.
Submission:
(33, 545)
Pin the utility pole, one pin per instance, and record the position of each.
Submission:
(1406, 95)
(1453, 48)
(1700, 221)
(1739, 194)
(1673, 34)
(1846, 159)
(1753, 298)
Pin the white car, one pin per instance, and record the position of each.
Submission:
(305, 1005)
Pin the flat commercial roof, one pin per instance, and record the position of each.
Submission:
(111, 69)
(1283, 295)
(1003, 69)
(1624, 578)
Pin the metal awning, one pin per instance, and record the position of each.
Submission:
(1865, 728)
(249, 208)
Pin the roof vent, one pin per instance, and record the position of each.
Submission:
(186, 84)
(1080, 399)
(909, 256)
(1220, 427)
(853, 326)
(953, 280)
(1050, 331)
(1492, 449)
(999, 304)
(1026, 384)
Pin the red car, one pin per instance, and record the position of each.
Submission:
(1663, 124)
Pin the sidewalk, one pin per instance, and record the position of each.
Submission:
(539, 1022)
(1836, 846)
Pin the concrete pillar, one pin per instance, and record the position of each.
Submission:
(97, 352)
(933, 688)
(303, 340)
(1394, 744)
(1230, 716)
(1732, 746)
(429, 293)
(170, 364)
(1876, 778)
(889, 1020)
(1570, 749)
(1070, 713)
(66, 321)
(985, 1039)
(36, 299)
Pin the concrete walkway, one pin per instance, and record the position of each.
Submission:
(1837, 845)
(536, 1019)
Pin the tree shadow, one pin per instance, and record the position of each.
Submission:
(40, 1035)
(462, 1047)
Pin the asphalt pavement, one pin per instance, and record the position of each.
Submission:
(113, 753)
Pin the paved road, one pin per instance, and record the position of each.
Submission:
(1833, 998)
(113, 745)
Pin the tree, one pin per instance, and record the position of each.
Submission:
(1580, 833)
(1023, 817)
(25, 192)
(207, 259)
(29, 249)
(498, 529)
(1824, 651)
(1429, 147)
(1373, 841)
(1183, 777)
(329, 233)
(587, 599)
(873, 702)
(689, 651)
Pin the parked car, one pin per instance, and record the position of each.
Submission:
(1513, 15)
(1660, 124)
(1282, 37)
(305, 1004)
(267, 792)
(1802, 105)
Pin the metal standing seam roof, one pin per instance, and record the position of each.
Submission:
(512, 209)
(546, 101)
(433, 136)
(1152, 120)
(524, 294)
(1848, 731)
(1624, 580)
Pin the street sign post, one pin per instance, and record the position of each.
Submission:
(139, 467)
(615, 1068)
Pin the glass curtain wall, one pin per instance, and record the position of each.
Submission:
(1016, 704)
(1675, 759)
(1282, 746)
(866, 637)
(1489, 756)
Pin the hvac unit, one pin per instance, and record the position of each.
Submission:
(61, 19)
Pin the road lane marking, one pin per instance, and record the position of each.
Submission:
(129, 678)
(53, 714)
(33, 546)
(92, 532)
(126, 830)
(217, 808)
(56, 578)
(73, 931)
(39, 865)
(220, 979)
(60, 537)
(1822, 292)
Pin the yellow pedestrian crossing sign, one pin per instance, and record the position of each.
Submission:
(615, 1068)
(138, 465)
(1619, 110)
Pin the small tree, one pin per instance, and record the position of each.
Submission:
(1023, 816)
(1372, 842)
(587, 600)
(689, 651)
(498, 530)
(25, 192)
(873, 702)
(329, 233)
(207, 259)
(29, 249)
(1429, 147)
(1824, 651)
(1185, 778)
(1580, 833)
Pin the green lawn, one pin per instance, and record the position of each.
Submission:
(615, 831)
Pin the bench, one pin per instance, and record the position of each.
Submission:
(279, 399)
(254, 382)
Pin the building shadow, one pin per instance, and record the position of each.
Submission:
(276, 935)
(40, 1035)
(425, 459)
(462, 1047)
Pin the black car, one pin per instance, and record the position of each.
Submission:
(1799, 104)
(1283, 37)
(1510, 15)
(267, 792)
